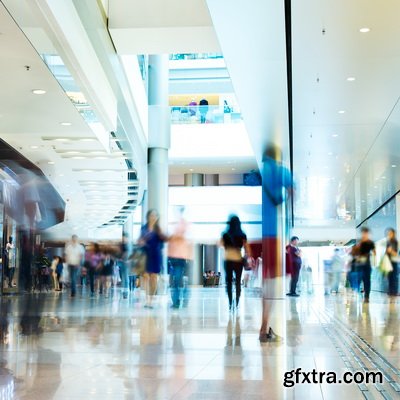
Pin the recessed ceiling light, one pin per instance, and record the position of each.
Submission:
(368, 194)
(51, 162)
(364, 30)
(351, 79)
(34, 147)
(65, 123)
(330, 153)
(61, 175)
(87, 140)
(38, 91)
(233, 169)
(383, 177)
(78, 157)
(341, 111)
(394, 165)
(335, 135)
(191, 169)
(62, 140)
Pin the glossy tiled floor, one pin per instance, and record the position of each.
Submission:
(54, 347)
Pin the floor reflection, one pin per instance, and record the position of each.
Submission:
(52, 348)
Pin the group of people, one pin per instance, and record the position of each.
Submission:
(359, 269)
(361, 266)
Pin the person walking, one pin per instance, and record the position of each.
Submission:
(363, 260)
(123, 264)
(179, 260)
(234, 240)
(337, 266)
(152, 240)
(74, 256)
(59, 273)
(95, 259)
(392, 250)
(107, 270)
(293, 260)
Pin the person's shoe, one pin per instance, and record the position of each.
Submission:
(270, 337)
(175, 306)
(125, 296)
(264, 337)
(292, 294)
(366, 300)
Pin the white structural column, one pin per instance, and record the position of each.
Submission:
(159, 137)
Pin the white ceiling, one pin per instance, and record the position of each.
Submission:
(340, 159)
(31, 124)
(329, 144)
(159, 26)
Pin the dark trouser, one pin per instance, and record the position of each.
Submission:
(365, 275)
(393, 279)
(92, 278)
(73, 274)
(295, 278)
(230, 267)
(10, 275)
(132, 281)
(123, 271)
(177, 271)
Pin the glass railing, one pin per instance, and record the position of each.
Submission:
(195, 56)
(204, 115)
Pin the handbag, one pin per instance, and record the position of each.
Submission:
(138, 261)
(385, 265)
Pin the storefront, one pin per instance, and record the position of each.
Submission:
(28, 204)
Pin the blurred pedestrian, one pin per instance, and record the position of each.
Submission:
(294, 260)
(203, 106)
(74, 254)
(180, 255)
(95, 265)
(123, 265)
(337, 266)
(59, 274)
(277, 184)
(234, 240)
(365, 247)
(152, 239)
(107, 270)
(392, 250)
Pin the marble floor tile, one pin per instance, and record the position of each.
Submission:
(52, 347)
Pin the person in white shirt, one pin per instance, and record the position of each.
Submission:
(74, 254)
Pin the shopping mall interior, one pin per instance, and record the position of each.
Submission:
(198, 200)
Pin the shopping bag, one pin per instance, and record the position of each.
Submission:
(385, 266)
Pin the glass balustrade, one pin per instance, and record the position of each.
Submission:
(194, 114)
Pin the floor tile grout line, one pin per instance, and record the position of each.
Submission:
(381, 389)
(348, 363)
(194, 377)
